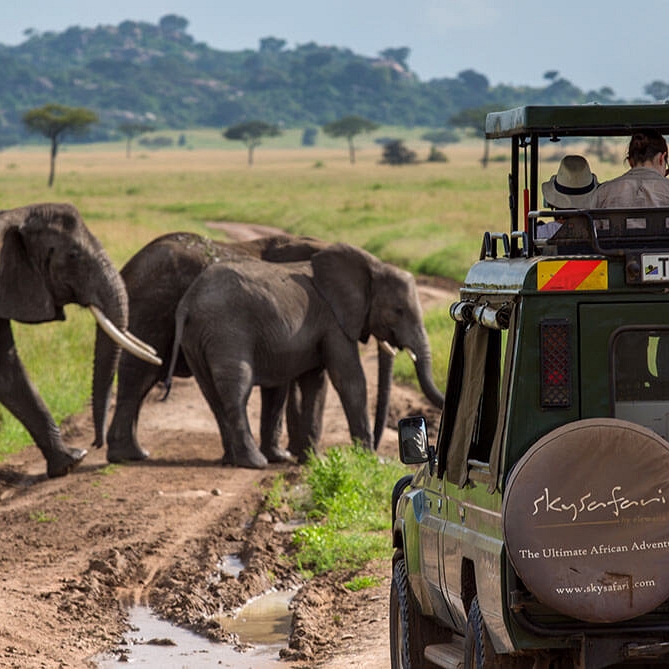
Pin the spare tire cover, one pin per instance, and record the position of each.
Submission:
(586, 520)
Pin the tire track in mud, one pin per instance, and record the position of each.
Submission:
(216, 504)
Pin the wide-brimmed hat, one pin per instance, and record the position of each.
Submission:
(573, 185)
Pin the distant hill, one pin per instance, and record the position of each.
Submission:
(137, 71)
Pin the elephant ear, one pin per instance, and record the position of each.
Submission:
(24, 295)
(342, 275)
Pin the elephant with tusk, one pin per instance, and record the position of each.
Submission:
(248, 322)
(49, 258)
(156, 278)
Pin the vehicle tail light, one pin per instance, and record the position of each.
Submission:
(555, 364)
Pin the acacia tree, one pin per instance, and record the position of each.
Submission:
(251, 133)
(54, 121)
(132, 130)
(349, 127)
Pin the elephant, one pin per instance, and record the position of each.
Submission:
(248, 322)
(156, 278)
(49, 258)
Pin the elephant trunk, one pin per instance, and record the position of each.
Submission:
(109, 304)
(423, 364)
(385, 378)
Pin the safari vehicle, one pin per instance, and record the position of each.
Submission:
(535, 532)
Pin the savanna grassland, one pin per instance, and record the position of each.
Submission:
(427, 217)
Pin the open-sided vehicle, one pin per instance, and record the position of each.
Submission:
(535, 532)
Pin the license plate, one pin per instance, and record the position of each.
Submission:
(655, 266)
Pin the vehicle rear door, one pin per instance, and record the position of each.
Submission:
(624, 353)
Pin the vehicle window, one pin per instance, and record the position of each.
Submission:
(475, 420)
(640, 366)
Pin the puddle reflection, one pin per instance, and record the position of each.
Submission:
(231, 565)
(157, 643)
(262, 620)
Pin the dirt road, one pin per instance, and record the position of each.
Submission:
(77, 551)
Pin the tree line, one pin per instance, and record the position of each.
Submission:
(141, 73)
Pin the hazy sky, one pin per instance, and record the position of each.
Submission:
(592, 43)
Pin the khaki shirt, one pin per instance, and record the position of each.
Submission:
(638, 187)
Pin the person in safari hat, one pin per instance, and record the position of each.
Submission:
(572, 187)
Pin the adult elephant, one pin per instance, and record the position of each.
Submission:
(48, 258)
(248, 322)
(156, 278)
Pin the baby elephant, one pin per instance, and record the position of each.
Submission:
(249, 322)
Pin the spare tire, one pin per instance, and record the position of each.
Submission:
(586, 520)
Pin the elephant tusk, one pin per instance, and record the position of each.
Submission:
(387, 348)
(411, 354)
(393, 351)
(140, 343)
(129, 343)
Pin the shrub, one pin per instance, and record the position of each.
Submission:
(396, 153)
(157, 142)
(348, 506)
(436, 156)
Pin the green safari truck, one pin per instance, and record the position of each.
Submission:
(535, 531)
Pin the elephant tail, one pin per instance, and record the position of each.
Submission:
(168, 387)
(180, 319)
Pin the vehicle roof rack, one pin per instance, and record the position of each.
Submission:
(577, 120)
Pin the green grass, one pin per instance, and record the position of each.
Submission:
(346, 501)
(362, 582)
(428, 217)
(107, 470)
(42, 517)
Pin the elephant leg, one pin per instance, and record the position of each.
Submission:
(348, 378)
(273, 400)
(20, 397)
(135, 380)
(227, 393)
(293, 414)
(304, 412)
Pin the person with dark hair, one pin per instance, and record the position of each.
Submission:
(644, 184)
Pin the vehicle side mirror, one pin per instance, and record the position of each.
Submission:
(412, 433)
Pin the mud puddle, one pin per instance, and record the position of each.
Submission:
(262, 620)
(157, 643)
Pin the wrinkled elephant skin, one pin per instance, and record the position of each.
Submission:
(156, 278)
(250, 322)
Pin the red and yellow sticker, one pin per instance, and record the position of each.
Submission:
(572, 275)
